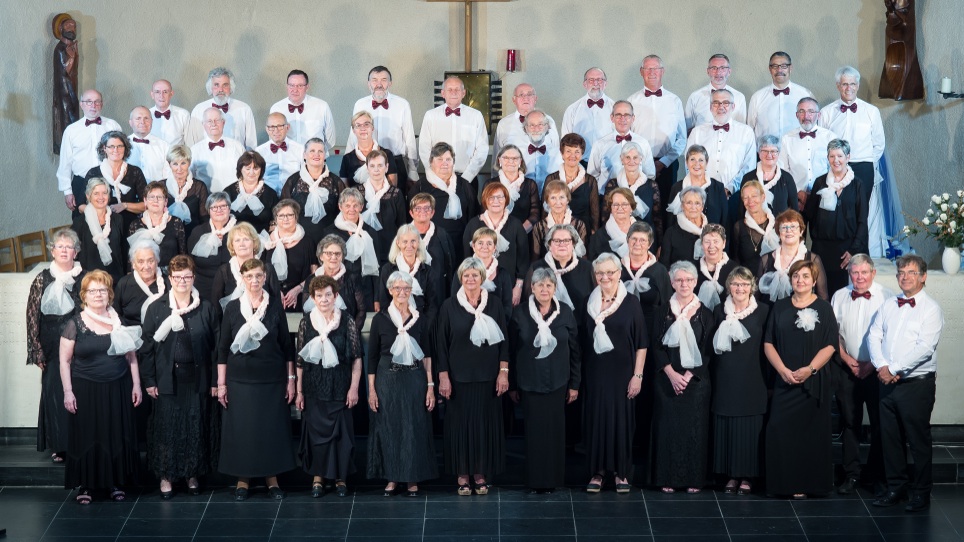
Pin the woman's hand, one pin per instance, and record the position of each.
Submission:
(70, 402)
(632, 390)
(430, 399)
(573, 395)
(372, 399)
(214, 391)
(136, 394)
(290, 391)
(516, 295)
(789, 376)
(152, 391)
(223, 396)
(502, 383)
(802, 374)
(352, 398)
(845, 260)
(291, 298)
(300, 401)
(42, 365)
(677, 380)
(514, 395)
(445, 387)
(118, 207)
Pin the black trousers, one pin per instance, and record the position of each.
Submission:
(905, 418)
(852, 394)
(865, 172)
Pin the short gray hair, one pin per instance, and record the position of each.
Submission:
(407, 229)
(841, 144)
(93, 183)
(641, 226)
(216, 197)
(721, 91)
(845, 71)
(349, 193)
(543, 274)
(631, 146)
(64, 233)
(327, 241)
(218, 72)
(144, 244)
(565, 227)
(606, 257)
(698, 190)
(399, 276)
(860, 259)
(684, 266)
(652, 57)
(469, 264)
(768, 140)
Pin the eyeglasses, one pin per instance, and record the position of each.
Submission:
(275, 127)
(908, 274)
(401, 289)
(779, 66)
(608, 274)
(156, 197)
(623, 115)
(299, 87)
(560, 242)
(511, 158)
(741, 285)
(689, 280)
(253, 278)
(285, 216)
(595, 80)
(497, 197)
(115, 147)
(422, 209)
(182, 278)
(92, 102)
(721, 104)
(218, 207)
(97, 291)
(65, 247)
(621, 206)
(638, 241)
(365, 125)
(717, 68)
(331, 253)
(790, 227)
(769, 151)
(526, 95)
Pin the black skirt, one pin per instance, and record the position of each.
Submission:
(545, 422)
(327, 439)
(681, 427)
(52, 418)
(737, 445)
(473, 436)
(180, 429)
(101, 436)
(256, 431)
(400, 442)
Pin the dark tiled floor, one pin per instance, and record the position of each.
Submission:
(507, 514)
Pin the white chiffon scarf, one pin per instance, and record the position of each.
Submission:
(828, 195)
(776, 283)
(453, 209)
(56, 299)
(404, 349)
(320, 349)
(485, 329)
(253, 330)
(317, 194)
(544, 339)
(731, 329)
(274, 241)
(123, 339)
(359, 245)
(680, 334)
(601, 342)
(99, 234)
(210, 242)
(175, 322)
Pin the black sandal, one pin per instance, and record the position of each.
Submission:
(117, 494)
(341, 488)
(317, 490)
(464, 488)
(481, 488)
(83, 496)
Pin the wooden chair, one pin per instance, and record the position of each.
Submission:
(8, 256)
(32, 249)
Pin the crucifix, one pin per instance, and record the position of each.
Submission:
(468, 26)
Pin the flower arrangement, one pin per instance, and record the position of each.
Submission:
(943, 221)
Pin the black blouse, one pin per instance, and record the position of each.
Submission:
(392, 214)
(457, 355)
(528, 206)
(331, 384)
(300, 259)
(846, 224)
(91, 360)
(655, 301)
(427, 304)
(579, 282)
(454, 227)
(516, 259)
(134, 178)
(784, 193)
(716, 206)
(156, 359)
(745, 244)
(678, 245)
(350, 163)
(262, 220)
(560, 368)
(173, 243)
(129, 298)
(89, 256)
(224, 283)
(353, 267)
(541, 230)
(442, 250)
(268, 362)
(649, 194)
(381, 337)
(599, 243)
(349, 290)
(297, 190)
(196, 201)
(41, 326)
(504, 283)
(704, 324)
(767, 265)
(206, 267)
(725, 272)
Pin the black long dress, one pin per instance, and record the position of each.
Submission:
(609, 421)
(297, 190)
(740, 399)
(101, 438)
(262, 220)
(529, 205)
(543, 385)
(835, 232)
(256, 426)
(300, 259)
(473, 436)
(516, 259)
(43, 347)
(784, 193)
(207, 266)
(455, 227)
(89, 257)
(174, 241)
(327, 430)
(400, 442)
(134, 178)
(196, 201)
(681, 423)
(184, 431)
(585, 202)
(799, 456)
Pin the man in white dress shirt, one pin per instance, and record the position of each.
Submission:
(148, 152)
(851, 370)
(604, 162)
(660, 119)
(512, 126)
(589, 116)
(392, 116)
(903, 347)
(215, 158)
(698, 104)
(282, 155)
(729, 143)
(307, 116)
(461, 126)
(540, 154)
(171, 123)
(238, 118)
(772, 108)
(78, 147)
(803, 150)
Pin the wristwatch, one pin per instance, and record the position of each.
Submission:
(812, 370)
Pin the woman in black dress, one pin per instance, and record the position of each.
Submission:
(290, 253)
(98, 367)
(353, 170)
(243, 244)
(544, 357)
(186, 197)
(101, 232)
(329, 370)
(54, 298)
(574, 275)
(837, 215)
(126, 181)
(401, 392)
(331, 256)
(774, 270)
(611, 237)
(681, 242)
(254, 356)
(158, 225)
(583, 187)
(178, 371)
(715, 265)
(739, 383)
(408, 255)
(473, 365)
(316, 189)
(681, 418)
(251, 199)
(754, 233)
(524, 202)
(512, 241)
(648, 206)
(439, 247)
(136, 290)
(384, 203)
(498, 281)
(556, 198)
(613, 355)
(714, 195)
(801, 336)
(779, 187)
(455, 198)
(208, 243)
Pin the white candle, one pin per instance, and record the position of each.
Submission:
(946, 85)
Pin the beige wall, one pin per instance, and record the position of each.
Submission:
(126, 45)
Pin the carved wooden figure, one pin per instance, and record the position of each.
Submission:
(66, 106)
(901, 78)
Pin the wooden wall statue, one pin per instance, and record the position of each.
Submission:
(66, 106)
(901, 78)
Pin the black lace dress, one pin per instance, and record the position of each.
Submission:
(43, 348)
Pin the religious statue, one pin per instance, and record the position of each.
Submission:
(901, 78)
(66, 107)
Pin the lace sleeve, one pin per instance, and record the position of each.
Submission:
(300, 341)
(178, 225)
(354, 341)
(581, 230)
(538, 232)
(657, 213)
(201, 190)
(35, 354)
(593, 203)
(534, 203)
(135, 225)
(70, 329)
(359, 306)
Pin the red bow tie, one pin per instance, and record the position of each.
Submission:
(221, 107)
(166, 114)
(724, 127)
(139, 140)
(383, 103)
(218, 144)
(853, 109)
(627, 137)
(457, 111)
(808, 134)
(592, 102)
(658, 93)
(855, 296)
(901, 301)
(533, 149)
(88, 122)
(300, 108)
(283, 146)
(522, 118)
(779, 91)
